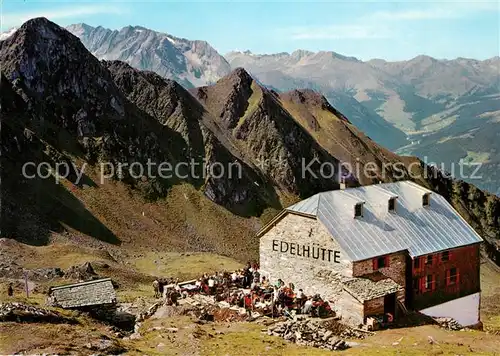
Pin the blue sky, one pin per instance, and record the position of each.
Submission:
(364, 29)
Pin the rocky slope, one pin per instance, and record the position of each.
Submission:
(422, 106)
(191, 63)
(202, 141)
(62, 105)
(258, 124)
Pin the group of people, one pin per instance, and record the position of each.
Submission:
(247, 289)
(286, 298)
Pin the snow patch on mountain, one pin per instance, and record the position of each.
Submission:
(192, 63)
(7, 34)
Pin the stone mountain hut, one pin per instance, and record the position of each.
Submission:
(99, 293)
(377, 251)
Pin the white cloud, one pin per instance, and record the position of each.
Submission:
(15, 19)
(390, 23)
(445, 10)
(414, 15)
(340, 32)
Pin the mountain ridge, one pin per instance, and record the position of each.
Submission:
(192, 62)
(376, 59)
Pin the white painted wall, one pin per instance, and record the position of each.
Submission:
(465, 310)
(300, 267)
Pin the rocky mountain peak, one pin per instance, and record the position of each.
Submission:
(300, 53)
(191, 63)
(41, 28)
(330, 55)
(231, 94)
(47, 61)
(423, 60)
(239, 75)
(80, 29)
(310, 98)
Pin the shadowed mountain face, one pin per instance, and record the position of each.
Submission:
(33, 208)
(191, 63)
(62, 105)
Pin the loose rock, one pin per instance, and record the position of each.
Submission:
(449, 323)
(308, 333)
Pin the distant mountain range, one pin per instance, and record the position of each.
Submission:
(440, 110)
(191, 63)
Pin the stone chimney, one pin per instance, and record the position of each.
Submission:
(342, 183)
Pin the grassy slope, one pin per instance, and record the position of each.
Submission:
(133, 275)
(339, 138)
(253, 102)
(185, 221)
(490, 297)
(50, 338)
(184, 266)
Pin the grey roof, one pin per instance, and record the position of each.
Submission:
(308, 206)
(366, 289)
(420, 230)
(97, 292)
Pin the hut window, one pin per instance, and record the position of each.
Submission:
(358, 210)
(426, 199)
(392, 204)
(428, 260)
(452, 276)
(430, 282)
(445, 256)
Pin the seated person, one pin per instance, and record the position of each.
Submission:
(300, 298)
(308, 304)
(234, 276)
(279, 283)
(265, 283)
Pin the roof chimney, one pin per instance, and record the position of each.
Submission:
(426, 199)
(342, 183)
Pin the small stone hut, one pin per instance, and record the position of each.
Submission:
(96, 294)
